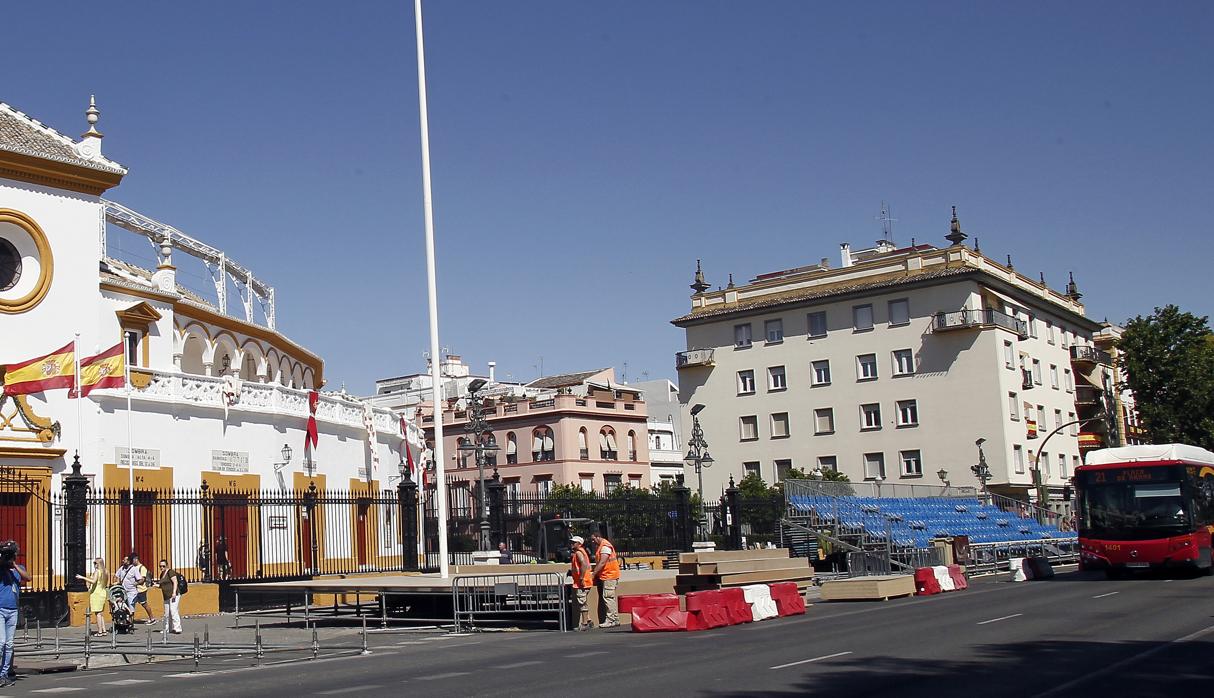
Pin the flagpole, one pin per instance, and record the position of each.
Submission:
(130, 450)
(79, 398)
(436, 392)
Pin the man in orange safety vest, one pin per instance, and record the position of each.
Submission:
(607, 575)
(583, 579)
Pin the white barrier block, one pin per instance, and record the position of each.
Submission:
(944, 578)
(1020, 571)
(762, 606)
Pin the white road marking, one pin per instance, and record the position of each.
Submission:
(586, 654)
(350, 689)
(436, 677)
(58, 689)
(125, 682)
(531, 662)
(1101, 596)
(807, 661)
(1065, 689)
(187, 675)
(996, 620)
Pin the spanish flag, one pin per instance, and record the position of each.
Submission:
(55, 370)
(105, 370)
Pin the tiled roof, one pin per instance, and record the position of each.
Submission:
(21, 134)
(564, 380)
(144, 281)
(801, 295)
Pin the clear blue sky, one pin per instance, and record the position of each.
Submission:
(585, 154)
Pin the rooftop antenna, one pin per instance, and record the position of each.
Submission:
(624, 377)
(887, 223)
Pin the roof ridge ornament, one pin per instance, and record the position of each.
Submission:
(955, 235)
(1072, 289)
(89, 146)
(699, 285)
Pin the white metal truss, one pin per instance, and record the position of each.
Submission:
(221, 267)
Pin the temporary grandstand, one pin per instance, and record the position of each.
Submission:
(880, 522)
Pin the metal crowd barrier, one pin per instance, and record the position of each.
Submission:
(993, 557)
(487, 598)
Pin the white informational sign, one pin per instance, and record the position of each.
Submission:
(362, 473)
(230, 461)
(144, 457)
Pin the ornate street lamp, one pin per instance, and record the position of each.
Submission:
(477, 426)
(982, 471)
(698, 457)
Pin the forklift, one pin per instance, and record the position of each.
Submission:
(553, 531)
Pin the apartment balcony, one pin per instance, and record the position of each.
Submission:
(978, 320)
(1090, 355)
(557, 403)
(1088, 395)
(694, 358)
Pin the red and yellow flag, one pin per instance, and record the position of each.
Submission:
(105, 370)
(54, 370)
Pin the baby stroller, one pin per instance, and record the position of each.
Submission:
(121, 612)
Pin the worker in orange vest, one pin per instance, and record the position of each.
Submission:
(583, 579)
(607, 575)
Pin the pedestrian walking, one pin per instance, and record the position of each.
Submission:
(98, 586)
(221, 558)
(172, 598)
(583, 580)
(132, 576)
(12, 574)
(505, 557)
(141, 589)
(607, 576)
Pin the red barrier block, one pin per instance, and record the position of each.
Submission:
(708, 617)
(632, 601)
(734, 600)
(787, 596)
(654, 619)
(697, 600)
(925, 582)
(958, 577)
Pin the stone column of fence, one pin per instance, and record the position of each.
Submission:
(310, 497)
(497, 513)
(406, 492)
(75, 488)
(685, 525)
(733, 515)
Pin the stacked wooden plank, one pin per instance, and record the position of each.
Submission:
(735, 568)
(875, 588)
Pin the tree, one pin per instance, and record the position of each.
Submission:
(1168, 361)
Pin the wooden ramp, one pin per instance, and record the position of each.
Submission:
(876, 588)
(733, 568)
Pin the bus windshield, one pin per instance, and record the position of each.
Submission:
(1133, 510)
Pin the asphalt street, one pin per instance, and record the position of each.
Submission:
(1077, 634)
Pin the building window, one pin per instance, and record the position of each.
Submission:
(1043, 464)
(899, 312)
(874, 466)
(587, 483)
(1018, 458)
(1049, 331)
(1074, 426)
(543, 447)
(779, 425)
(1057, 418)
(632, 446)
(783, 465)
(749, 427)
(904, 362)
(908, 413)
(1070, 381)
(741, 336)
(824, 420)
(514, 489)
(912, 463)
(751, 467)
(862, 317)
(821, 372)
(1036, 372)
(1009, 355)
(607, 446)
(543, 486)
(817, 324)
(830, 463)
(1041, 418)
(746, 382)
(1062, 464)
(1074, 463)
(866, 367)
(1032, 326)
(870, 416)
(583, 450)
(511, 449)
(1013, 406)
(776, 380)
(1053, 376)
(774, 329)
(611, 483)
(132, 348)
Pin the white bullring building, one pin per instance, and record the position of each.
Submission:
(219, 389)
(890, 367)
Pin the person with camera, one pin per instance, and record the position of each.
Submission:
(12, 575)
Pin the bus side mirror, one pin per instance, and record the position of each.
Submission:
(1066, 493)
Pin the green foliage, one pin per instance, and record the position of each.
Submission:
(1168, 359)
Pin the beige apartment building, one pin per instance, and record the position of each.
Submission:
(891, 367)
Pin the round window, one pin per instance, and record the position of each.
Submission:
(10, 265)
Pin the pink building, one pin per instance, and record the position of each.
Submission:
(581, 429)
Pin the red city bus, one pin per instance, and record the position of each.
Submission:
(1143, 507)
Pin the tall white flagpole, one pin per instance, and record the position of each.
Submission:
(79, 398)
(436, 393)
(130, 449)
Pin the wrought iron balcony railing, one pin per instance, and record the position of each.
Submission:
(945, 321)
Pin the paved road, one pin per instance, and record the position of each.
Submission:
(1074, 635)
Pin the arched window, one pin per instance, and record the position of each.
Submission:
(511, 448)
(632, 445)
(583, 450)
(543, 446)
(607, 447)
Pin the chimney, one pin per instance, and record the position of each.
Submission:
(492, 368)
(825, 263)
(845, 254)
